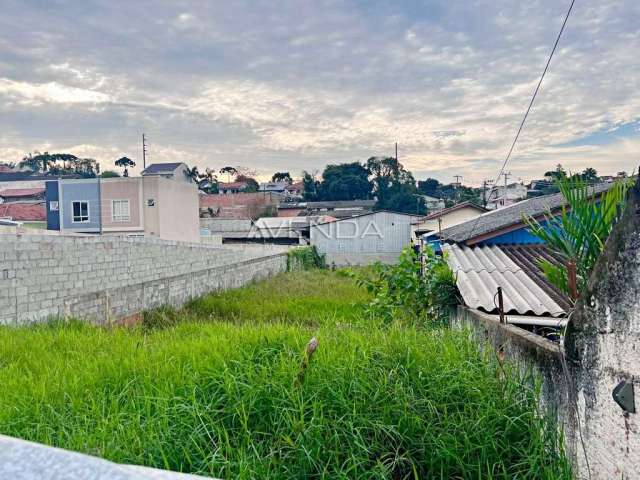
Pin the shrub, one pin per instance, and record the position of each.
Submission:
(409, 288)
(305, 258)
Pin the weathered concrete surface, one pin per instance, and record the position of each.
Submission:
(22, 460)
(104, 279)
(534, 356)
(604, 341)
(602, 348)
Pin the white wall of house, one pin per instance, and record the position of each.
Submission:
(448, 219)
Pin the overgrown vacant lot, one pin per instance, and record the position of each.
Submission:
(215, 390)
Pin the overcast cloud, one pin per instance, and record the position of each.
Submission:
(293, 85)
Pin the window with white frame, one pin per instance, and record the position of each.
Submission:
(80, 212)
(120, 211)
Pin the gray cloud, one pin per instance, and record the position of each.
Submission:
(297, 84)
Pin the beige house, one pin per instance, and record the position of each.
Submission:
(448, 217)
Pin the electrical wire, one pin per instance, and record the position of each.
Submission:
(533, 98)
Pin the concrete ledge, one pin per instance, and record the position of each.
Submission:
(22, 460)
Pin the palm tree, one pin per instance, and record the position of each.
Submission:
(125, 163)
(229, 171)
(193, 174)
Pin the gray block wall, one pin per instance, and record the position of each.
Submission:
(104, 279)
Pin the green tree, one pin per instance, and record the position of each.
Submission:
(346, 181)
(282, 177)
(252, 185)
(230, 171)
(109, 174)
(311, 186)
(556, 174)
(590, 175)
(125, 163)
(429, 186)
(394, 186)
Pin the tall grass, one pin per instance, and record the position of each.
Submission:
(220, 397)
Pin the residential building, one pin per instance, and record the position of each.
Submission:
(433, 204)
(446, 218)
(22, 195)
(501, 196)
(363, 239)
(239, 205)
(288, 190)
(496, 249)
(172, 171)
(30, 213)
(152, 206)
(228, 188)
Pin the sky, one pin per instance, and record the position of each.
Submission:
(295, 85)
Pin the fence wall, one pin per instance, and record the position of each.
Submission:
(104, 279)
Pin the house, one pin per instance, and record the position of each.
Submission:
(505, 225)
(151, 206)
(495, 250)
(363, 239)
(173, 171)
(30, 213)
(228, 188)
(22, 195)
(501, 196)
(447, 218)
(288, 190)
(337, 209)
(433, 204)
(239, 205)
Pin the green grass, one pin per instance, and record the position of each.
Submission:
(217, 393)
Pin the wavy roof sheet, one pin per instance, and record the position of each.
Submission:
(481, 270)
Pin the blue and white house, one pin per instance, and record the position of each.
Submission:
(74, 205)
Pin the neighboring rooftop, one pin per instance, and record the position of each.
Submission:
(480, 271)
(449, 210)
(503, 218)
(24, 212)
(161, 168)
(21, 192)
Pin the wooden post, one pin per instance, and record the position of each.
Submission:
(572, 281)
(501, 305)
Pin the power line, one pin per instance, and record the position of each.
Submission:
(526, 114)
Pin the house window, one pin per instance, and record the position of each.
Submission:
(80, 212)
(120, 211)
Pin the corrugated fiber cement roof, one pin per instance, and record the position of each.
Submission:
(481, 270)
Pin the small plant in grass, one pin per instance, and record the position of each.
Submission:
(409, 288)
(578, 234)
(305, 258)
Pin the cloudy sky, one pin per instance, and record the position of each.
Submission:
(293, 85)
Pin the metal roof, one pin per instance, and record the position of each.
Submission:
(159, 168)
(481, 270)
(495, 220)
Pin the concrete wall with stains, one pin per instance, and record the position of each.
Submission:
(601, 349)
(604, 343)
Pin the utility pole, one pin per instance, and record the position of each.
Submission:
(396, 151)
(484, 192)
(458, 178)
(506, 179)
(144, 152)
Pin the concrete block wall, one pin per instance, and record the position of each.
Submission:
(104, 279)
